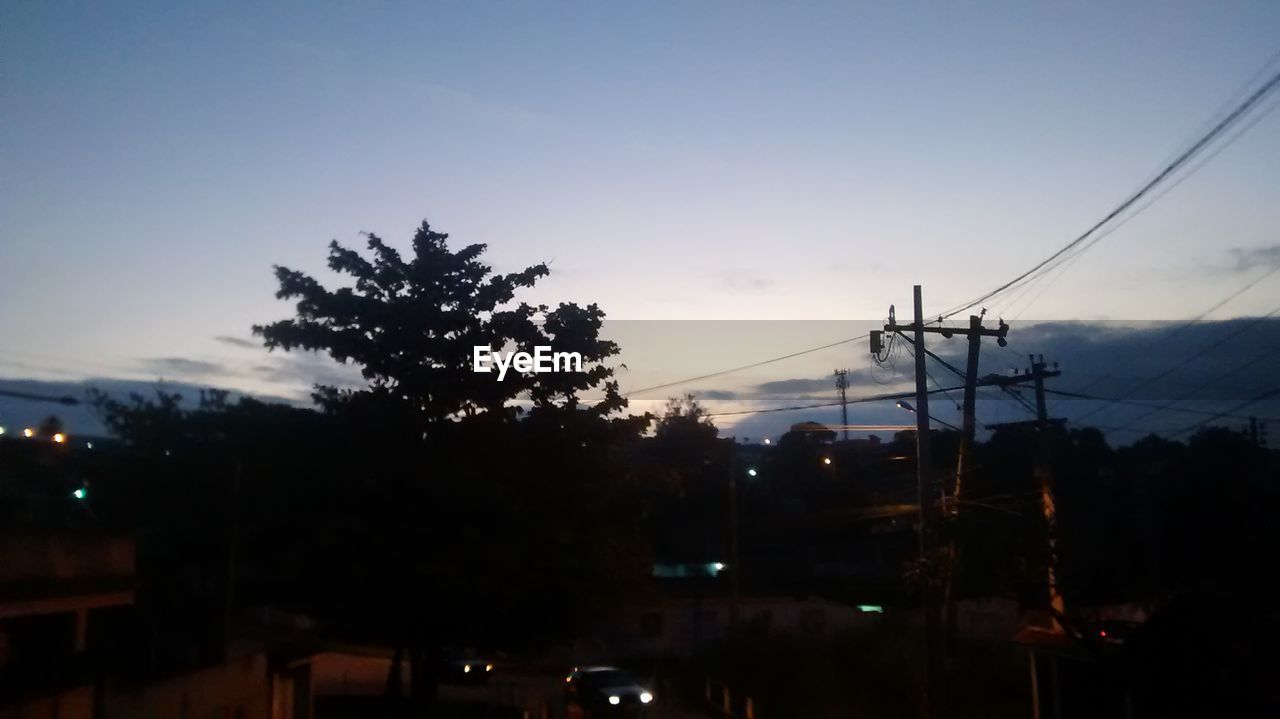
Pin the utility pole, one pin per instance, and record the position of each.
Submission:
(1038, 373)
(929, 495)
(735, 569)
(974, 333)
(842, 386)
(1044, 472)
(969, 424)
(935, 679)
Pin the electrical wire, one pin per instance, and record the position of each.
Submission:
(1230, 411)
(1216, 306)
(1139, 403)
(1173, 167)
(1217, 378)
(852, 400)
(1197, 356)
(753, 365)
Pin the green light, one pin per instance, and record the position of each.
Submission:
(871, 609)
(80, 493)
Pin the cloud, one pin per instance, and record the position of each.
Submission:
(806, 388)
(742, 281)
(793, 387)
(1247, 259)
(182, 366)
(307, 368)
(717, 394)
(238, 342)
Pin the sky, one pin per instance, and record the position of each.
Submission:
(672, 161)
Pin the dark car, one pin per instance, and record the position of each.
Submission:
(462, 668)
(605, 691)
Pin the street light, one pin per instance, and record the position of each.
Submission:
(28, 433)
(907, 406)
(766, 439)
(826, 460)
(59, 437)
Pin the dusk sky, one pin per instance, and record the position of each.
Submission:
(743, 161)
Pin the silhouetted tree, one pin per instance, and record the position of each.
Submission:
(469, 512)
(50, 426)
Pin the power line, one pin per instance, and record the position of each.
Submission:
(1216, 306)
(851, 400)
(1214, 380)
(1230, 411)
(1181, 160)
(1139, 403)
(753, 365)
(1240, 330)
(1063, 266)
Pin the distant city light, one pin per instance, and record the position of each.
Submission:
(826, 460)
(871, 609)
(28, 433)
(615, 700)
(59, 437)
(767, 441)
(88, 445)
(752, 472)
(1, 429)
(466, 668)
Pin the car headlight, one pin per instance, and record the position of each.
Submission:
(615, 700)
(466, 668)
(645, 697)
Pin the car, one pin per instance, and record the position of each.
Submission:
(465, 668)
(604, 691)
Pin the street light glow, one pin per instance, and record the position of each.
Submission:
(28, 433)
(59, 437)
(826, 460)
(752, 472)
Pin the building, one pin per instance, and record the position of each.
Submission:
(74, 644)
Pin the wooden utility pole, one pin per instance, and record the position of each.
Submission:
(934, 669)
(935, 679)
(969, 424)
(735, 567)
(1038, 373)
(842, 386)
(974, 333)
(930, 496)
(1044, 473)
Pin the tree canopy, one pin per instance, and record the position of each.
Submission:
(411, 326)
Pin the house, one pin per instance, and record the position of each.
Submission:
(75, 644)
